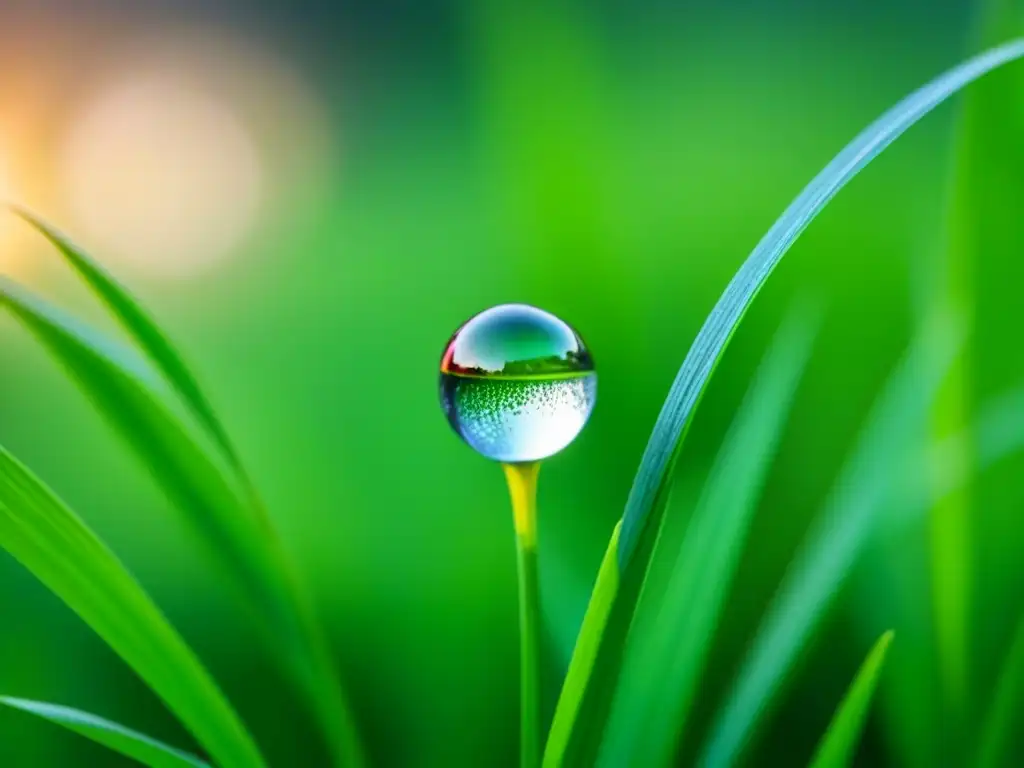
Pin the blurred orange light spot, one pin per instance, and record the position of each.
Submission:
(161, 176)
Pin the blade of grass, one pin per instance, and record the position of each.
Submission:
(147, 334)
(819, 570)
(868, 480)
(840, 741)
(645, 505)
(893, 580)
(718, 329)
(1005, 708)
(320, 675)
(39, 531)
(981, 218)
(663, 663)
(218, 513)
(127, 742)
(584, 655)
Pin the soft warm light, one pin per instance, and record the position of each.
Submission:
(160, 175)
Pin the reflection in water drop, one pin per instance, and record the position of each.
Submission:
(517, 383)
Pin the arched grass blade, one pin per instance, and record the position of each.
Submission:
(46, 537)
(642, 509)
(645, 505)
(1005, 708)
(147, 334)
(839, 744)
(127, 742)
(212, 504)
(868, 481)
(664, 662)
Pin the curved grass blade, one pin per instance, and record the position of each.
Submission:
(870, 479)
(214, 507)
(46, 537)
(147, 334)
(655, 467)
(839, 744)
(584, 654)
(1005, 708)
(663, 662)
(127, 742)
(645, 505)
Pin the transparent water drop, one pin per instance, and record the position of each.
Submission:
(517, 383)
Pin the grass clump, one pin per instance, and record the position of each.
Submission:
(632, 682)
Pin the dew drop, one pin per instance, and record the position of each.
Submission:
(517, 383)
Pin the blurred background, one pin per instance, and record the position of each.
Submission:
(312, 196)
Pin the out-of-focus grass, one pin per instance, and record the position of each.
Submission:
(59, 549)
(668, 651)
(839, 745)
(130, 743)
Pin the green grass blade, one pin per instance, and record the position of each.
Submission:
(839, 744)
(664, 662)
(147, 334)
(114, 736)
(584, 655)
(981, 218)
(215, 508)
(46, 537)
(868, 481)
(645, 505)
(655, 468)
(1005, 709)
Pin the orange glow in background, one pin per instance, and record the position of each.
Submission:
(160, 174)
(162, 156)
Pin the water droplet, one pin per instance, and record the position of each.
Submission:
(517, 383)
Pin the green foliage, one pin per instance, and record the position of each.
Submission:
(646, 504)
(1007, 700)
(62, 552)
(143, 329)
(839, 744)
(666, 657)
(980, 219)
(217, 504)
(116, 737)
(864, 489)
(584, 655)
(642, 509)
(631, 683)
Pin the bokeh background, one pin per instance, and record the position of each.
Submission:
(311, 196)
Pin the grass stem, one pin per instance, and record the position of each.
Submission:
(522, 487)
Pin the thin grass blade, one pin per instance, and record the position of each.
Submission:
(839, 744)
(645, 505)
(870, 479)
(584, 655)
(213, 504)
(655, 467)
(46, 537)
(143, 329)
(112, 735)
(1005, 709)
(663, 663)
